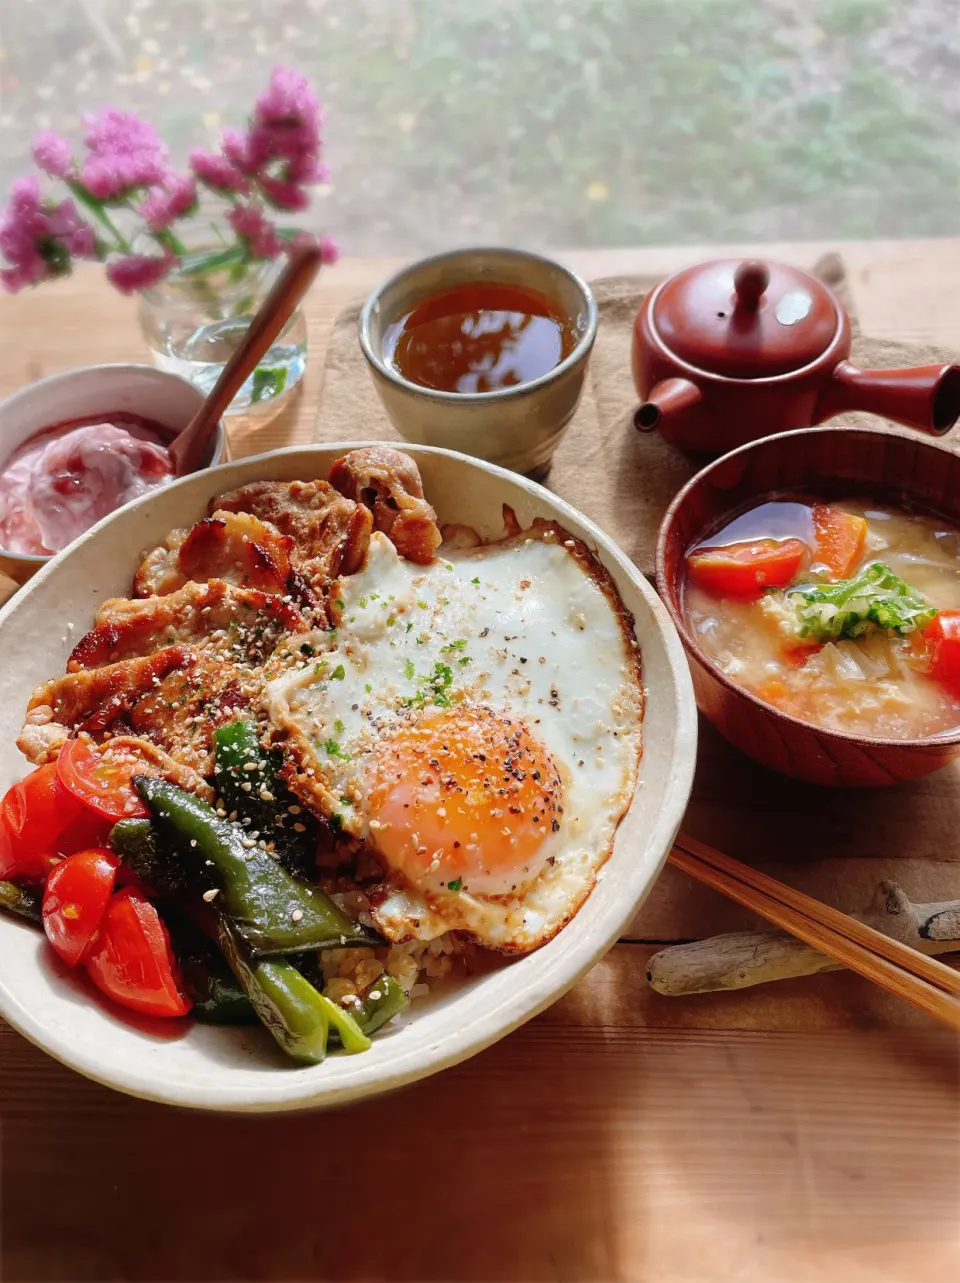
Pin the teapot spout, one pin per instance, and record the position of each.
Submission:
(673, 406)
(926, 398)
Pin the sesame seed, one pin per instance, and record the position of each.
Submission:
(296, 915)
(210, 895)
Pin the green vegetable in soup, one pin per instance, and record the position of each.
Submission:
(874, 600)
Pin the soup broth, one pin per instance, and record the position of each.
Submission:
(846, 615)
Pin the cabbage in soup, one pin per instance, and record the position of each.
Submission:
(843, 614)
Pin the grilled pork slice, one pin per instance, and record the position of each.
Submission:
(243, 624)
(388, 483)
(331, 532)
(175, 699)
(233, 546)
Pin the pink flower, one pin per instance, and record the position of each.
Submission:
(233, 144)
(329, 250)
(283, 194)
(165, 205)
(125, 152)
(51, 152)
(218, 172)
(138, 272)
(288, 100)
(285, 139)
(38, 238)
(252, 226)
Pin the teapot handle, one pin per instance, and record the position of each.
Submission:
(750, 280)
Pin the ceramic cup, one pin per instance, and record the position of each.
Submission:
(516, 427)
(88, 391)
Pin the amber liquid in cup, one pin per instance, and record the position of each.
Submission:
(479, 338)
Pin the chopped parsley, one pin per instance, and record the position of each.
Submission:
(362, 602)
(374, 596)
(336, 822)
(435, 689)
(339, 673)
(459, 644)
(368, 688)
(340, 603)
(391, 621)
(334, 750)
(464, 659)
(338, 726)
(455, 885)
(346, 800)
(408, 668)
(422, 605)
(409, 626)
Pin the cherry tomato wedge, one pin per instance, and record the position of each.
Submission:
(745, 569)
(76, 897)
(100, 777)
(943, 632)
(131, 960)
(84, 833)
(840, 539)
(33, 814)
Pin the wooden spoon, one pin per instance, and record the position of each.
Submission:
(189, 447)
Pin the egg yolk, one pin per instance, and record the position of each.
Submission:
(465, 799)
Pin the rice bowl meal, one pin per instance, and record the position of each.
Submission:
(328, 760)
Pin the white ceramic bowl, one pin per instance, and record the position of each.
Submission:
(92, 390)
(239, 1069)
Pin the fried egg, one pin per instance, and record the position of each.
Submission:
(477, 723)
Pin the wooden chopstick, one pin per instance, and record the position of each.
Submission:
(904, 955)
(898, 979)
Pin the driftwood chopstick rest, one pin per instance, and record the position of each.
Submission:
(740, 959)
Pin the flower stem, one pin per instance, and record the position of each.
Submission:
(99, 213)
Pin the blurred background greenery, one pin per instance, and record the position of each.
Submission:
(543, 122)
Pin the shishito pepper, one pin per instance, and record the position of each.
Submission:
(218, 997)
(248, 781)
(271, 912)
(297, 1015)
(22, 902)
(384, 999)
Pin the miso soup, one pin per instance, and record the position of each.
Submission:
(844, 614)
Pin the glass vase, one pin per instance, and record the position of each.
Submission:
(192, 322)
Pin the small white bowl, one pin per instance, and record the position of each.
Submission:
(94, 390)
(210, 1067)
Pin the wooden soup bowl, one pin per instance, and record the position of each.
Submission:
(890, 466)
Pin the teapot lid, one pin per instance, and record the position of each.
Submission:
(745, 319)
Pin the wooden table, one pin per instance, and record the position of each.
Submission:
(789, 1134)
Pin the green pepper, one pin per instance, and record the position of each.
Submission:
(248, 782)
(217, 996)
(135, 841)
(296, 1014)
(22, 902)
(272, 912)
(375, 1011)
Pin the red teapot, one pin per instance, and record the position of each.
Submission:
(732, 350)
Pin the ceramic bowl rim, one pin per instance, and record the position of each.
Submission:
(63, 376)
(697, 653)
(291, 1093)
(580, 351)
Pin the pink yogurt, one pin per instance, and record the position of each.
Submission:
(64, 479)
